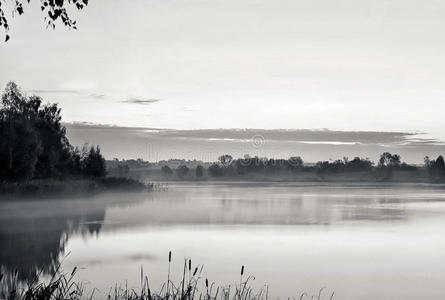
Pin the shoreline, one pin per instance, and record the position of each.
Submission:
(309, 177)
(69, 187)
(45, 188)
(304, 183)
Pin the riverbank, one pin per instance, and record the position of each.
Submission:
(49, 187)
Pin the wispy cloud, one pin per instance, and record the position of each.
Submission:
(97, 96)
(142, 101)
(301, 136)
(71, 92)
(75, 92)
(207, 144)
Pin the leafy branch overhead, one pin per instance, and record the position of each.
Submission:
(53, 10)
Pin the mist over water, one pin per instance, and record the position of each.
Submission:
(363, 241)
(302, 140)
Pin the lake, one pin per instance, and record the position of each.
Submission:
(361, 241)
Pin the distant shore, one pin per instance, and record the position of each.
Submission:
(389, 168)
(371, 177)
(71, 187)
(419, 175)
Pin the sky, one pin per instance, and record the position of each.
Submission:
(208, 144)
(350, 65)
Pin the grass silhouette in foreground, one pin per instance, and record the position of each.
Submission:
(62, 286)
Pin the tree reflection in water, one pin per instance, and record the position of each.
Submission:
(33, 235)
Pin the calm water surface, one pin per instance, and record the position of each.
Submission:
(364, 242)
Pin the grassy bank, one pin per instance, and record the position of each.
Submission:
(47, 187)
(192, 286)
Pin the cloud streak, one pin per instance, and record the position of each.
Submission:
(141, 101)
(96, 95)
(308, 136)
(156, 143)
(73, 92)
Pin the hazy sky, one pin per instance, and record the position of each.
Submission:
(209, 144)
(344, 65)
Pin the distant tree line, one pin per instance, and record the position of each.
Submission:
(33, 142)
(226, 166)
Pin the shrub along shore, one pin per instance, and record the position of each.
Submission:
(69, 187)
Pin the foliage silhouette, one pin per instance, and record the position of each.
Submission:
(215, 170)
(34, 145)
(436, 168)
(182, 171)
(387, 163)
(167, 171)
(225, 160)
(53, 9)
(199, 171)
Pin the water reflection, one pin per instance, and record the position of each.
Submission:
(112, 234)
(251, 204)
(33, 234)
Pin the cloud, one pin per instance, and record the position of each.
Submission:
(97, 96)
(306, 136)
(54, 92)
(157, 144)
(70, 92)
(141, 101)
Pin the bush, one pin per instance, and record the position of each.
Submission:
(121, 183)
(93, 165)
(199, 172)
(167, 171)
(215, 170)
(182, 171)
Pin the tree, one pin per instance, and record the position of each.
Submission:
(123, 170)
(427, 161)
(436, 168)
(75, 168)
(19, 142)
(13, 100)
(53, 150)
(389, 160)
(358, 164)
(440, 163)
(167, 171)
(215, 170)
(52, 9)
(199, 172)
(94, 163)
(295, 163)
(182, 171)
(225, 160)
(19, 148)
(56, 151)
(33, 142)
(387, 163)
